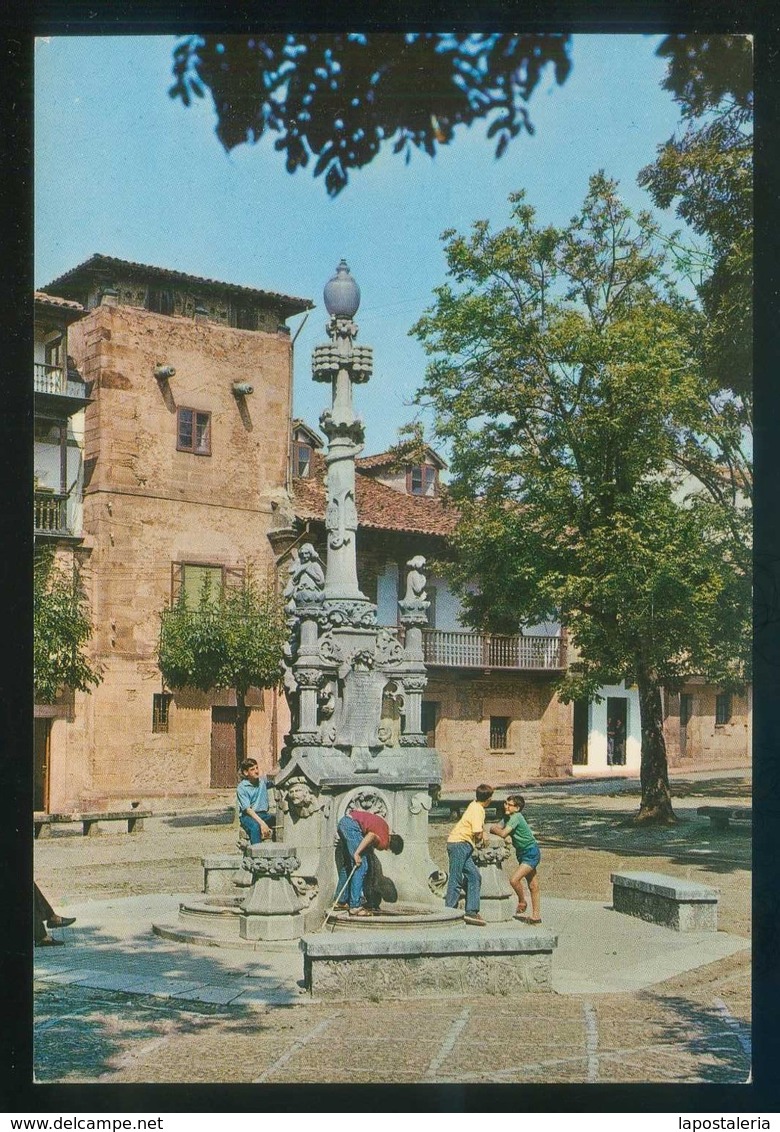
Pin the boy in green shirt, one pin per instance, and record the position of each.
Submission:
(516, 827)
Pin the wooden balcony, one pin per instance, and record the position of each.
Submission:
(488, 651)
(56, 392)
(51, 514)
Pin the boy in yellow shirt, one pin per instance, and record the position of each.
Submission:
(461, 843)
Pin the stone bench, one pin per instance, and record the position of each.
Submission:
(722, 816)
(220, 871)
(682, 905)
(419, 964)
(90, 823)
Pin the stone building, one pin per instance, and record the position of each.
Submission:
(186, 470)
(488, 708)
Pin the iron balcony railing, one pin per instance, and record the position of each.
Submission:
(54, 379)
(486, 650)
(51, 513)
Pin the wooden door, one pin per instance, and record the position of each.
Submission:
(224, 771)
(42, 748)
(580, 738)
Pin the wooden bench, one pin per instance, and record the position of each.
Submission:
(682, 905)
(722, 816)
(43, 822)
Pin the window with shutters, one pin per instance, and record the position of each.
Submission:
(160, 300)
(161, 702)
(196, 578)
(193, 431)
(421, 480)
(499, 732)
(723, 708)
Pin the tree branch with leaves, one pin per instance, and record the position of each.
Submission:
(567, 421)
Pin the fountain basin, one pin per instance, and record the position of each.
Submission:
(459, 961)
(396, 917)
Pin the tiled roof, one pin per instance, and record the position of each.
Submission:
(99, 262)
(384, 459)
(379, 507)
(56, 301)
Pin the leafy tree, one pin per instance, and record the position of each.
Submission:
(61, 631)
(234, 642)
(338, 98)
(706, 173)
(566, 380)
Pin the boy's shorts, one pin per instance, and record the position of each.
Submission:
(531, 855)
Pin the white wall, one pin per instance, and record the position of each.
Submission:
(597, 733)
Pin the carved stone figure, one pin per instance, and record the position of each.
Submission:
(415, 580)
(300, 799)
(370, 802)
(307, 577)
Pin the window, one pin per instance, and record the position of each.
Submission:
(428, 716)
(421, 480)
(53, 352)
(723, 708)
(302, 460)
(194, 432)
(159, 300)
(499, 732)
(161, 702)
(196, 579)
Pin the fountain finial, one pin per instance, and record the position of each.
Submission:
(342, 294)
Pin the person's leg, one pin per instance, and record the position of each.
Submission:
(533, 888)
(343, 868)
(353, 835)
(250, 826)
(516, 881)
(270, 821)
(473, 879)
(41, 912)
(457, 851)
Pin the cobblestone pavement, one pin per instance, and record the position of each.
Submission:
(691, 1028)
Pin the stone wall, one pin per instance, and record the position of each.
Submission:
(148, 506)
(709, 745)
(539, 731)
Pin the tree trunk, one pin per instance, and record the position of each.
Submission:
(240, 727)
(656, 803)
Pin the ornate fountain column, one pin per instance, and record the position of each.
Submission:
(354, 689)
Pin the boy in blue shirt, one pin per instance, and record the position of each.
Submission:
(515, 826)
(252, 803)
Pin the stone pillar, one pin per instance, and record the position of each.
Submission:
(272, 910)
(497, 899)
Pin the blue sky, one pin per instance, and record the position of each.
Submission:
(122, 169)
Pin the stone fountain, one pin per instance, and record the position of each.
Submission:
(354, 689)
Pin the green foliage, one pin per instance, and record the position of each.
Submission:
(706, 172)
(61, 630)
(566, 379)
(235, 642)
(340, 98)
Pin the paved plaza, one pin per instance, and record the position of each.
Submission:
(631, 1001)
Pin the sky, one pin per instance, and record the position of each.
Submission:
(124, 170)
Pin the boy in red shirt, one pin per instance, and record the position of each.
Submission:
(360, 833)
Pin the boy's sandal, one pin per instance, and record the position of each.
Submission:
(359, 912)
(530, 920)
(341, 907)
